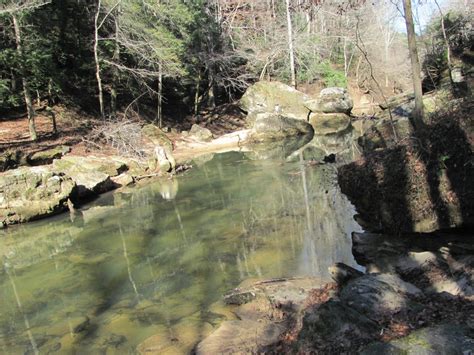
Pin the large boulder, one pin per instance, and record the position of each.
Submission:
(200, 133)
(377, 295)
(156, 136)
(162, 159)
(329, 123)
(92, 175)
(274, 97)
(32, 193)
(331, 100)
(271, 126)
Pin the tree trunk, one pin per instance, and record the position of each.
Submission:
(96, 59)
(211, 98)
(116, 58)
(290, 45)
(26, 88)
(196, 95)
(159, 109)
(445, 37)
(415, 65)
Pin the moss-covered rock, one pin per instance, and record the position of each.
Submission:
(275, 97)
(32, 193)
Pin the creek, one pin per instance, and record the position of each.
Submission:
(155, 260)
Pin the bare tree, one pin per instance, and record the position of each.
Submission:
(97, 26)
(415, 64)
(290, 45)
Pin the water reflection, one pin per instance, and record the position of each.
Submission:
(153, 261)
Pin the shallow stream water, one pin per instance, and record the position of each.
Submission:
(155, 260)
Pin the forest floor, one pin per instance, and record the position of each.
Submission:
(73, 128)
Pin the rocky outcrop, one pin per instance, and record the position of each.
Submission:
(31, 193)
(274, 97)
(272, 126)
(92, 175)
(330, 111)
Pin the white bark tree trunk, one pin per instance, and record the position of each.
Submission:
(26, 89)
(290, 45)
(96, 59)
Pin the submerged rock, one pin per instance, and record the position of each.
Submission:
(31, 193)
(274, 97)
(264, 310)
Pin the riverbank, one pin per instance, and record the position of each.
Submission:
(87, 157)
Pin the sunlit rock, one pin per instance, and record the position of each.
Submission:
(31, 193)
(331, 100)
(91, 174)
(200, 133)
(274, 97)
